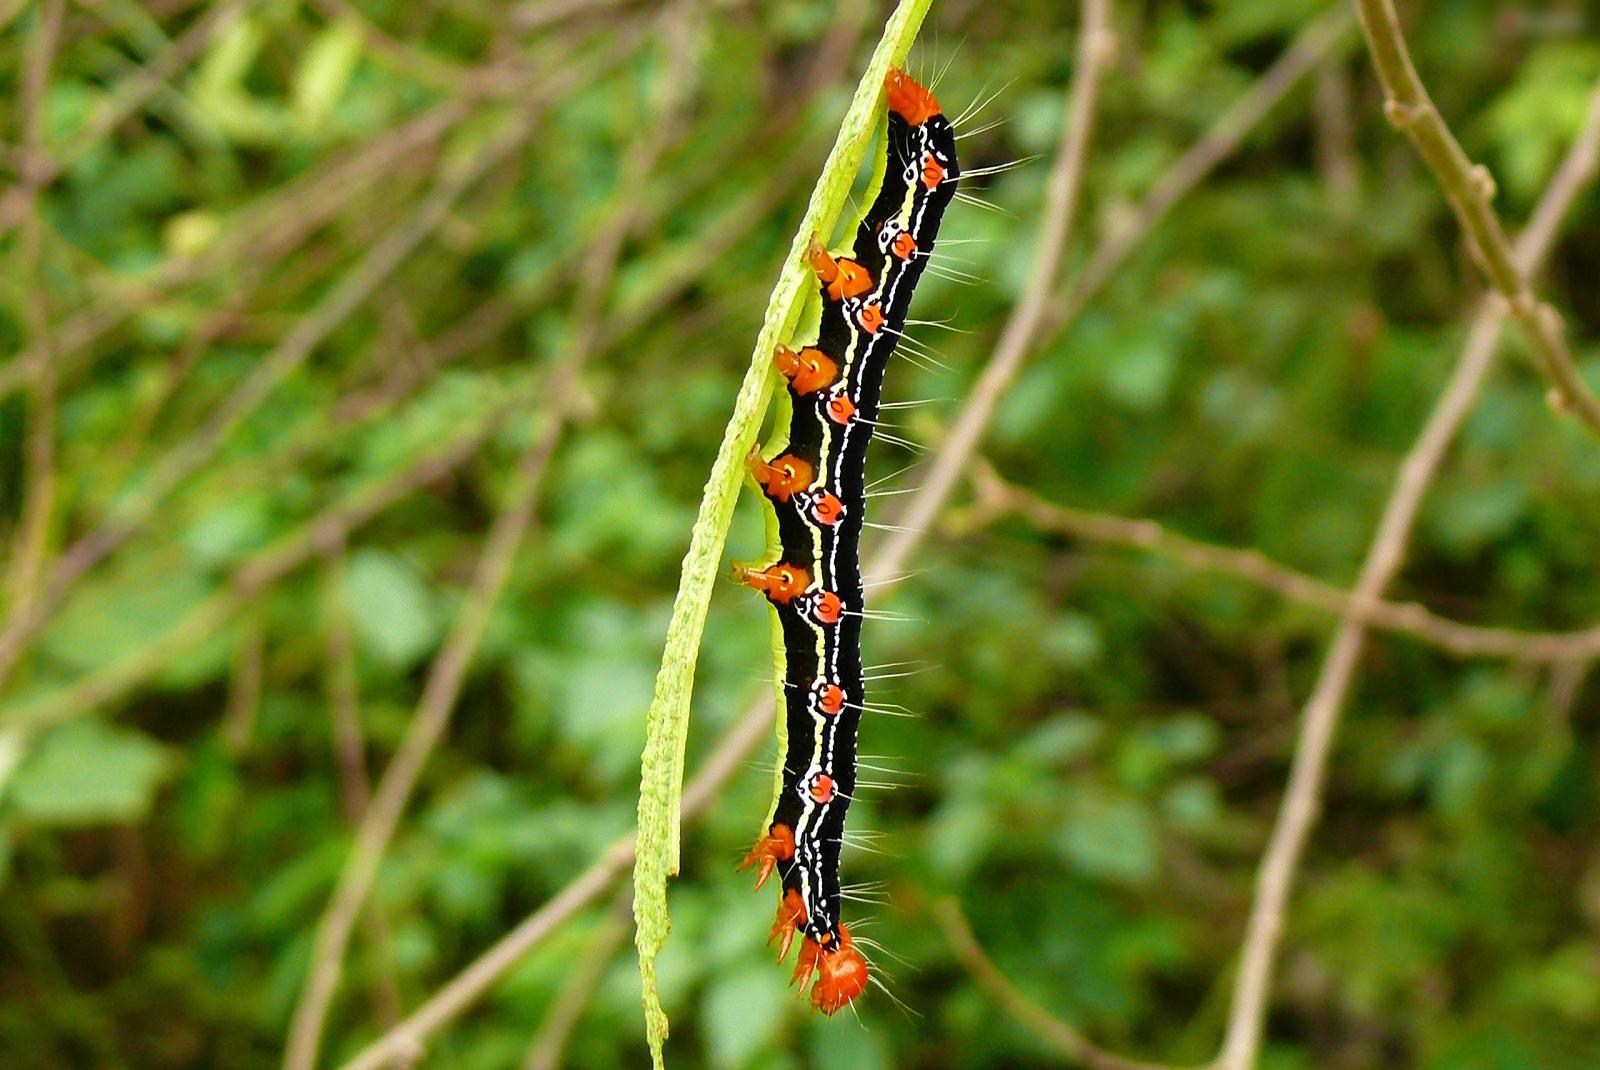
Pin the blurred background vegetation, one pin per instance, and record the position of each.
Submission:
(315, 312)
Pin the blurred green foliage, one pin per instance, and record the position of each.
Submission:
(1103, 737)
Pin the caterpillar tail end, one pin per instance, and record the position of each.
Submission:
(841, 973)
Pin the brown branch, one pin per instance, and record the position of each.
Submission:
(255, 574)
(1303, 794)
(244, 685)
(551, 1041)
(996, 497)
(448, 671)
(1470, 189)
(32, 541)
(343, 689)
(1067, 1041)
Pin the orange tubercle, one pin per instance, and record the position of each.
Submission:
(808, 371)
(783, 476)
(904, 245)
(791, 917)
(841, 973)
(870, 317)
(932, 173)
(840, 409)
(826, 509)
(826, 607)
(908, 99)
(822, 788)
(822, 261)
(781, 583)
(843, 277)
(829, 698)
(776, 846)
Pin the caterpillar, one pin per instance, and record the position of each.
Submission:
(816, 485)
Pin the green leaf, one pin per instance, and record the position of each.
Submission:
(391, 609)
(324, 73)
(89, 773)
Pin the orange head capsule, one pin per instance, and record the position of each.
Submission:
(822, 788)
(870, 316)
(808, 371)
(826, 607)
(781, 583)
(783, 476)
(908, 99)
(826, 509)
(791, 917)
(841, 408)
(904, 245)
(776, 846)
(932, 172)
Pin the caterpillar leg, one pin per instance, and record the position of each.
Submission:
(776, 846)
(791, 918)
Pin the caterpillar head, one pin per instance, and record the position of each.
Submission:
(908, 99)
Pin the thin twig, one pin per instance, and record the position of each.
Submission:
(1303, 794)
(1067, 1041)
(343, 689)
(251, 577)
(551, 1041)
(996, 497)
(31, 545)
(244, 685)
(448, 671)
(1470, 189)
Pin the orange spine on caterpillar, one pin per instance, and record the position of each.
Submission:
(816, 486)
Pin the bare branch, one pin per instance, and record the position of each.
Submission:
(551, 1040)
(1303, 795)
(31, 545)
(997, 497)
(1470, 189)
(1067, 1041)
